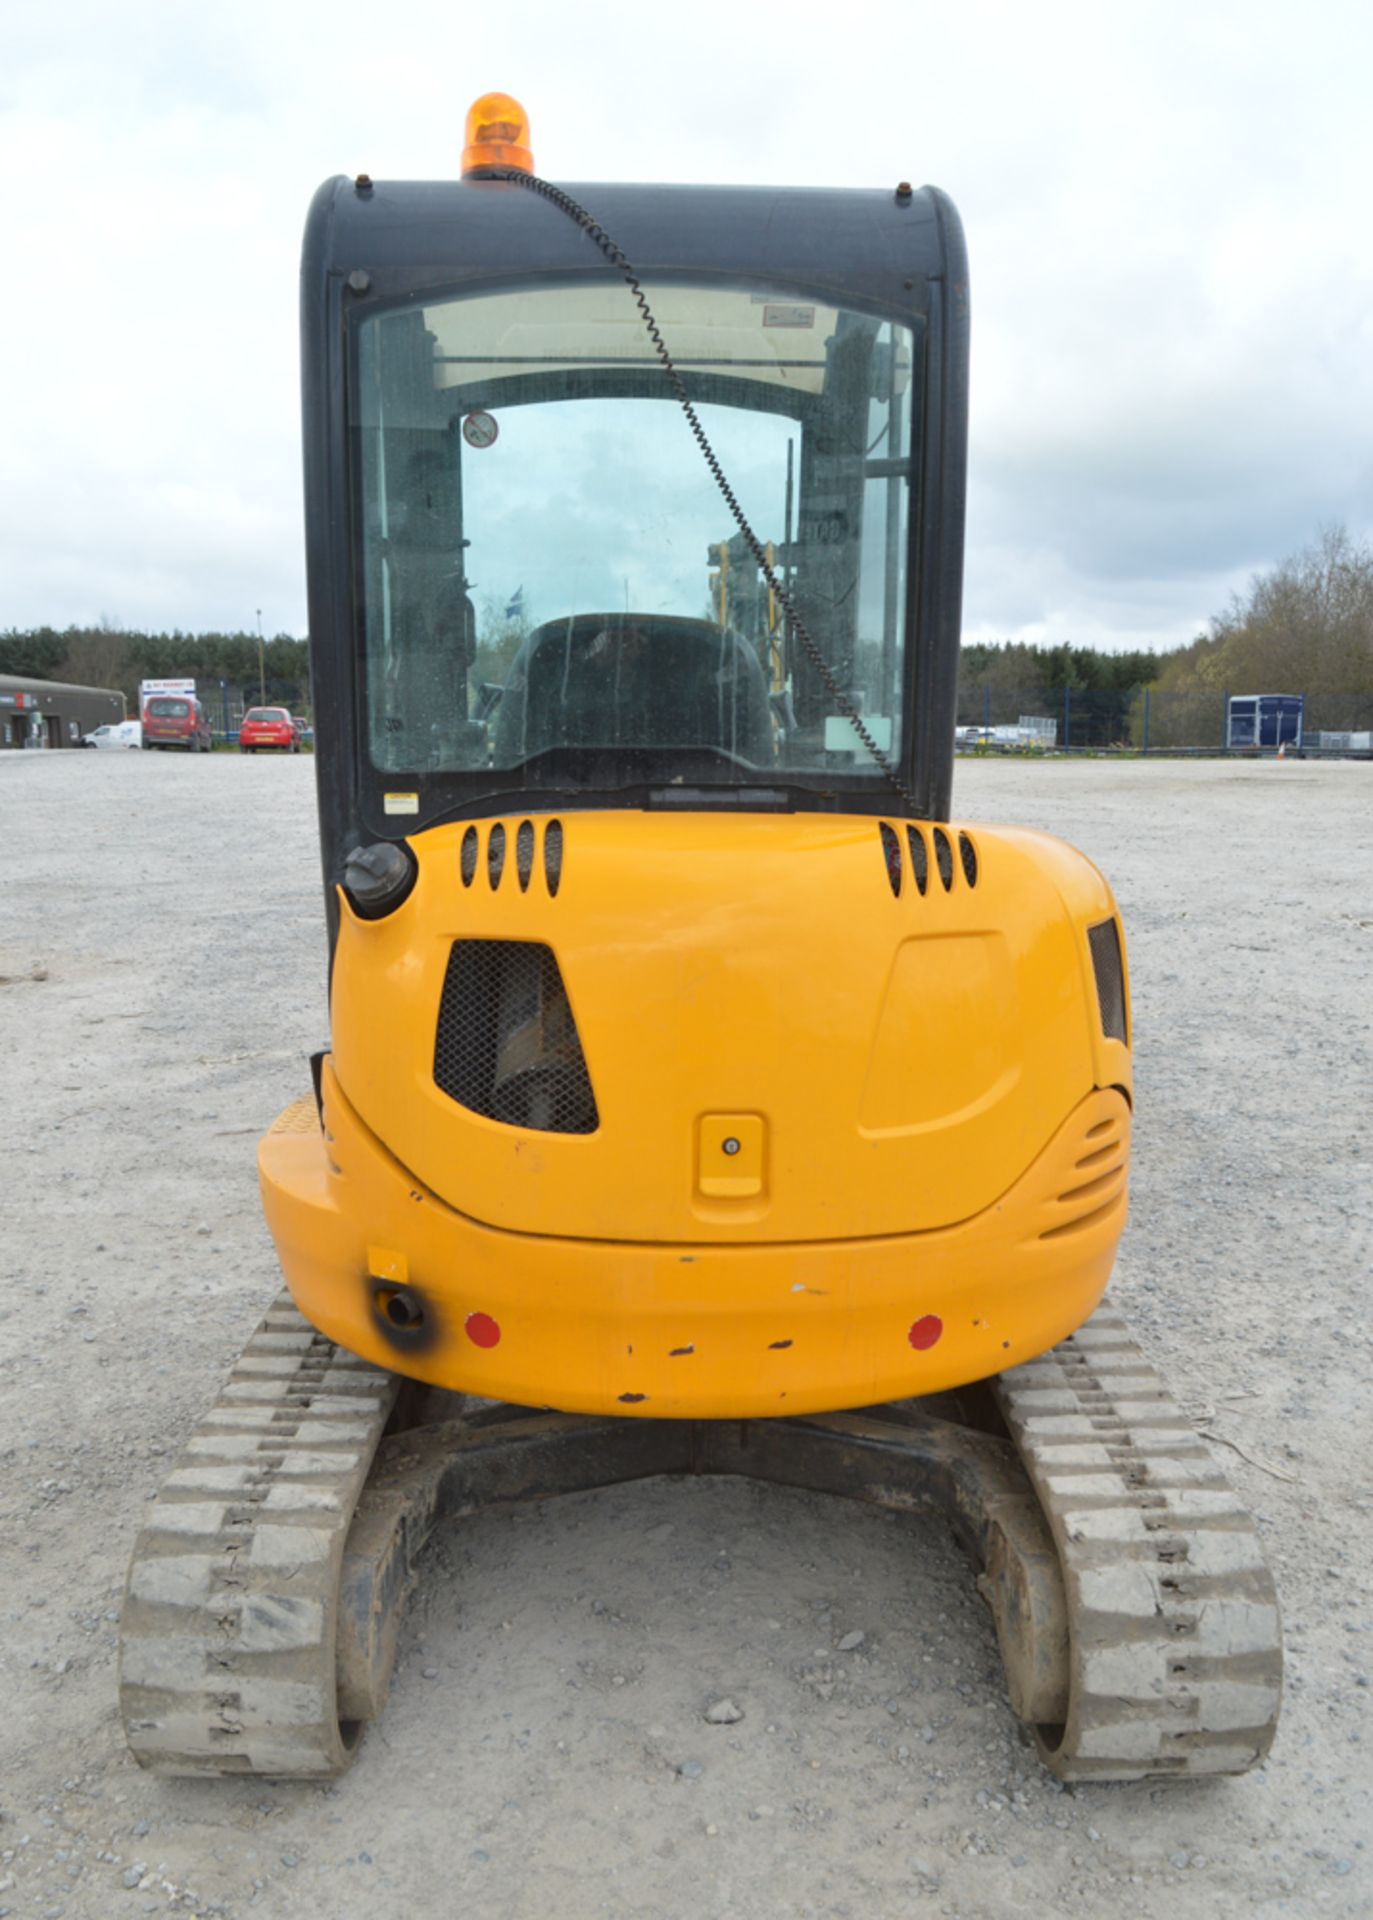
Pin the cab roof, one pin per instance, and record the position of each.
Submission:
(871, 246)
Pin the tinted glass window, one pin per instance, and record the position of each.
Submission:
(550, 569)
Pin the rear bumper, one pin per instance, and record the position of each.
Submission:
(690, 1331)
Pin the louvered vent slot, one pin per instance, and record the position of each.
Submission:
(943, 857)
(507, 1046)
(495, 855)
(920, 857)
(1104, 940)
(553, 855)
(891, 854)
(967, 853)
(467, 862)
(524, 853)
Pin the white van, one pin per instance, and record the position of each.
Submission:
(120, 733)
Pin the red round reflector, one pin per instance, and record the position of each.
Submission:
(482, 1330)
(926, 1331)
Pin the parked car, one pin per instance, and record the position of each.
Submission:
(269, 727)
(175, 720)
(116, 733)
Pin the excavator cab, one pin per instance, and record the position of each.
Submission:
(528, 588)
(693, 1079)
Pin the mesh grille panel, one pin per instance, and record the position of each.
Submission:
(891, 854)
(967, 853)
(553, 854)
(507, 1046)
(524, 853)
(920, 859)
(1110, 978)
(943, 857)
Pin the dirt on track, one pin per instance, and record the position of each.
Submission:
(545, 1751)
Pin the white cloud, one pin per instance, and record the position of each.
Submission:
(1165, 209)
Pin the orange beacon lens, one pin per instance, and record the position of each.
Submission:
(497, 135)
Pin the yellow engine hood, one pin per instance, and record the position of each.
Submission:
(886, 1062)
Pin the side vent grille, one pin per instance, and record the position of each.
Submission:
(524, 853)
(920, 857)
(497, 847)
(1104, 941)
(553, 855)
(507, 1046)
(967, 853)
(943, 857)
(1097, 1186)
(891, 854)
(919, 847)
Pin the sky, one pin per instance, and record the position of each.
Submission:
(1166, 209)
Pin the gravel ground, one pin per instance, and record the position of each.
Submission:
(546, 1749)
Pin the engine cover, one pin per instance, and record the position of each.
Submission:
(724, 1027)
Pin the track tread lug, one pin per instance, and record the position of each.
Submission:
(223, 1671)
(1175, 1650)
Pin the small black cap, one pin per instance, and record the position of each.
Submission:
(377, 878)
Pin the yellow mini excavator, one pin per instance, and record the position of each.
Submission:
(700, 1097)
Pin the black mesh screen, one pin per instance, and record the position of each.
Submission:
(943, 857)
(1110, 978)
(967, 853)
(553, 854)
(891, 854)
(507, 1046)
(524, 853)
(920, 859)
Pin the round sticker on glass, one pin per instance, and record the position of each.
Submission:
(479, 430)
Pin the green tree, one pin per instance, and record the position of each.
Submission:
(1305, 626)
(35, 655)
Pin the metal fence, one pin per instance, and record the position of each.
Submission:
(1140, 721)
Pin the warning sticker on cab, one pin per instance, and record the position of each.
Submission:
(776, 315)
(401, 802)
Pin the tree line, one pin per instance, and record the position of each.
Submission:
(107, 655)
(1304, 626)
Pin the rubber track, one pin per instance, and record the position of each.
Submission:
(1176, 1651)
(228, 1628)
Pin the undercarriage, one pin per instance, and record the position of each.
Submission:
(1136, 1616)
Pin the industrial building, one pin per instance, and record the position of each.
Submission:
(48, 713)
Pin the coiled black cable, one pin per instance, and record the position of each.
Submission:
(596, 232)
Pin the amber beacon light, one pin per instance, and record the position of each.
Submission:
(497, 136)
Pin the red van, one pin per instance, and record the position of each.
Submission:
(175, 720)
